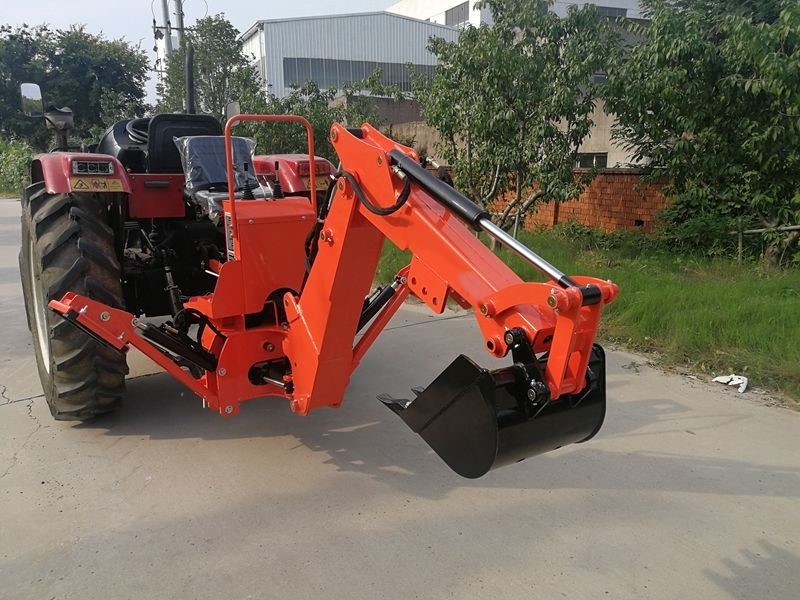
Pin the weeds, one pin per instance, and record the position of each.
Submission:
(15, 156)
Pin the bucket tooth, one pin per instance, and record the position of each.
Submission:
(394, 403)
(477, 420)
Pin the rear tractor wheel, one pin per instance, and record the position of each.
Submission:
(67, 245)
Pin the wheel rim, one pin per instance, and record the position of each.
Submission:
(39, 309)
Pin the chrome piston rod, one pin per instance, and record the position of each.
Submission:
(522, 250)
(479, 219)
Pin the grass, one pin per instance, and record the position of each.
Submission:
(707, 315)
(392, 260)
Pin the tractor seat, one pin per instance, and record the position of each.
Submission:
(205, 170)
(162, 155)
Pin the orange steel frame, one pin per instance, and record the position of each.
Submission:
(319, 335)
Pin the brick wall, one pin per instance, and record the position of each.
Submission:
(616, 199)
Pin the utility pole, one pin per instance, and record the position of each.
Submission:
(167, 30)
(179, 20)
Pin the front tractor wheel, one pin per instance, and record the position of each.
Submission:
(67, 245)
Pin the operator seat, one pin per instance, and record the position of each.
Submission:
(205, 170)
(162, 154)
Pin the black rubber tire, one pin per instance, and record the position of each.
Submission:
(67, 245)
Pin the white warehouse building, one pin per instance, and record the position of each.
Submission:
(334, 50)
(456, 13)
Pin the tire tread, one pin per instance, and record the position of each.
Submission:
(75, 251)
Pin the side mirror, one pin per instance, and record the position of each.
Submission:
(232, 109)
(31, 97)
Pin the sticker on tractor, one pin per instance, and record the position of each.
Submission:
(95, 184)
(229, 236)
(321, 181)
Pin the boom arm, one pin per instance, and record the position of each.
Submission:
(476, 420)
(448, 261)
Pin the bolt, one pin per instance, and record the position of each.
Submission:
(269, 347)
(334, 135)
(484, 309)
(228, 410)
(538, 394)
(340, 185)
(250, 221)
(379, 160)
(509, 338)
(105, 315)
(551, 301)
(222, 372)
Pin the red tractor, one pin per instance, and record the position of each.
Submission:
(267, 284)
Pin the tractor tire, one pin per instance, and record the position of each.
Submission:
(67, 245)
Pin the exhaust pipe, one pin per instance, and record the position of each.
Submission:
(191, 104)
(477, 420)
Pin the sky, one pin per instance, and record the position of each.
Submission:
(133, 19)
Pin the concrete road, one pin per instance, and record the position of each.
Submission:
(689, 491)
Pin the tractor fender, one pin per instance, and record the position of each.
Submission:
(59, 175)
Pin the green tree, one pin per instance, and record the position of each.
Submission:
(711, 98)
(74, 68)
(322, 108)
(24, 55)
(96, 78)
(513, 101)
(223, 73)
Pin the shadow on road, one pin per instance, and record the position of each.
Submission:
(364, 437)
(759, 573)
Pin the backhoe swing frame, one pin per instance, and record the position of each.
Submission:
(307, 351)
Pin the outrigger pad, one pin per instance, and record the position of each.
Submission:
(477, 420)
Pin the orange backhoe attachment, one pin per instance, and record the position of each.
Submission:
(288, 304)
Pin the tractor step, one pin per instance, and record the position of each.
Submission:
(477, 420)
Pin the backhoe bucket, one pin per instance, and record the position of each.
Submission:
(477, 420)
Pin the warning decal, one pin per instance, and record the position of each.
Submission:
(321, 180)
(95, 184)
